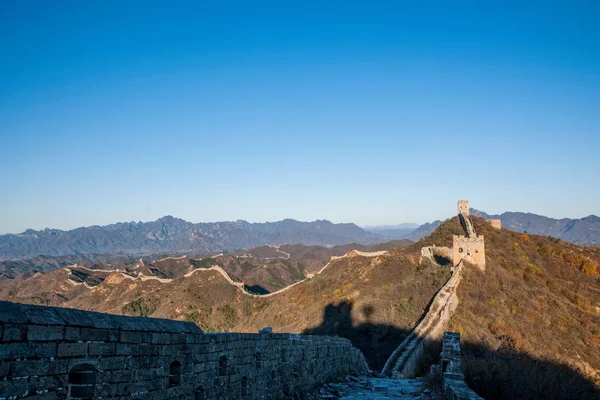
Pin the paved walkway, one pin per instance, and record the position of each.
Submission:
(354, 388)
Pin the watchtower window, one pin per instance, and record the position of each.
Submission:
(223, 366)
(258, 359)
(175, 373)
(244, 386)
(199, 393)
(82, 381)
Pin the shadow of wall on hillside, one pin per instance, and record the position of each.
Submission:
(495, 374)
(375, 341)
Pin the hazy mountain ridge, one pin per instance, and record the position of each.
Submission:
(175, 235)
(584, 231)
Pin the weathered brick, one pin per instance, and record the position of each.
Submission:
(14, 387)
(72, 334)
(71, 349)
(101, 349)
(45, 350)
(58, 366)
(161, 338)
(16, 350)
(23, 368)
(44, 333)
(14, 333)
(121, 376)
(44, 383)
(131, 337)
(127, 349)
(94, 335)
(113, 335)
(112, 363)
(4, 368)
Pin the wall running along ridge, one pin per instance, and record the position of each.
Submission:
(406, 360)
(240, 285)
(61, 353)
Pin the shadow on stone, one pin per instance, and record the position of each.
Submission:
(502, 373)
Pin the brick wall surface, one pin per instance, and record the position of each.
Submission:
(59, 353)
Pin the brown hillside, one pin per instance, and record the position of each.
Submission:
(531, 318)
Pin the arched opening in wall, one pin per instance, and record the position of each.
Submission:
(244, 386)
(200, 393)
(82, 381)
(174, 373)
(258, 360)
(460, 250)
(223, 366)
(273, 376)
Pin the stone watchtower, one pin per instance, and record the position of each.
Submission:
(463, 207)
(470, 246)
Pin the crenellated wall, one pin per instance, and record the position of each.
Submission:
(59, 353)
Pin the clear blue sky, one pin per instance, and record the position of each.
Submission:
(368, 112)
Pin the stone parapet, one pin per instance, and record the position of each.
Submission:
(59, 353)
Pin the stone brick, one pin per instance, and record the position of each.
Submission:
(16, 350)
(45, 350)
(101, 349)
(161, 338)
(14, 387)
(4, 368)
(58, 366)
(113, 335)
(112, 363)
(72, 349)
(94, 335)
(24, 368)
(44, 333)
(122, 376)
(14, 333)
(72, 334)
(131, 337)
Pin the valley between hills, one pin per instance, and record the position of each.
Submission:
(529, 322)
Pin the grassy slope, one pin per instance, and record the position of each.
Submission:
(531, 312)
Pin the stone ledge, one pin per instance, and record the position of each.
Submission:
(15, 313)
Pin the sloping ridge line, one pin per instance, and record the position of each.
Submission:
(241, 285)
(433, 319)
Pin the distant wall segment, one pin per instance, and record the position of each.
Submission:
(59, 353)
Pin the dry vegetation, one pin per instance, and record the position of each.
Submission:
(531, 322)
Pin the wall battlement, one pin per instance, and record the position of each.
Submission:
(496, 223)
(59, 353)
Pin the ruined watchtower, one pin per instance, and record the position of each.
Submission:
(463, 207)
(470, 246)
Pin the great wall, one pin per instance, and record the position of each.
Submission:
(59, 353)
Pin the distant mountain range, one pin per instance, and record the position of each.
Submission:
(177, 236)
(171, 236)
(584, 231)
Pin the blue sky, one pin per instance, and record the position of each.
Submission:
(367, 112)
